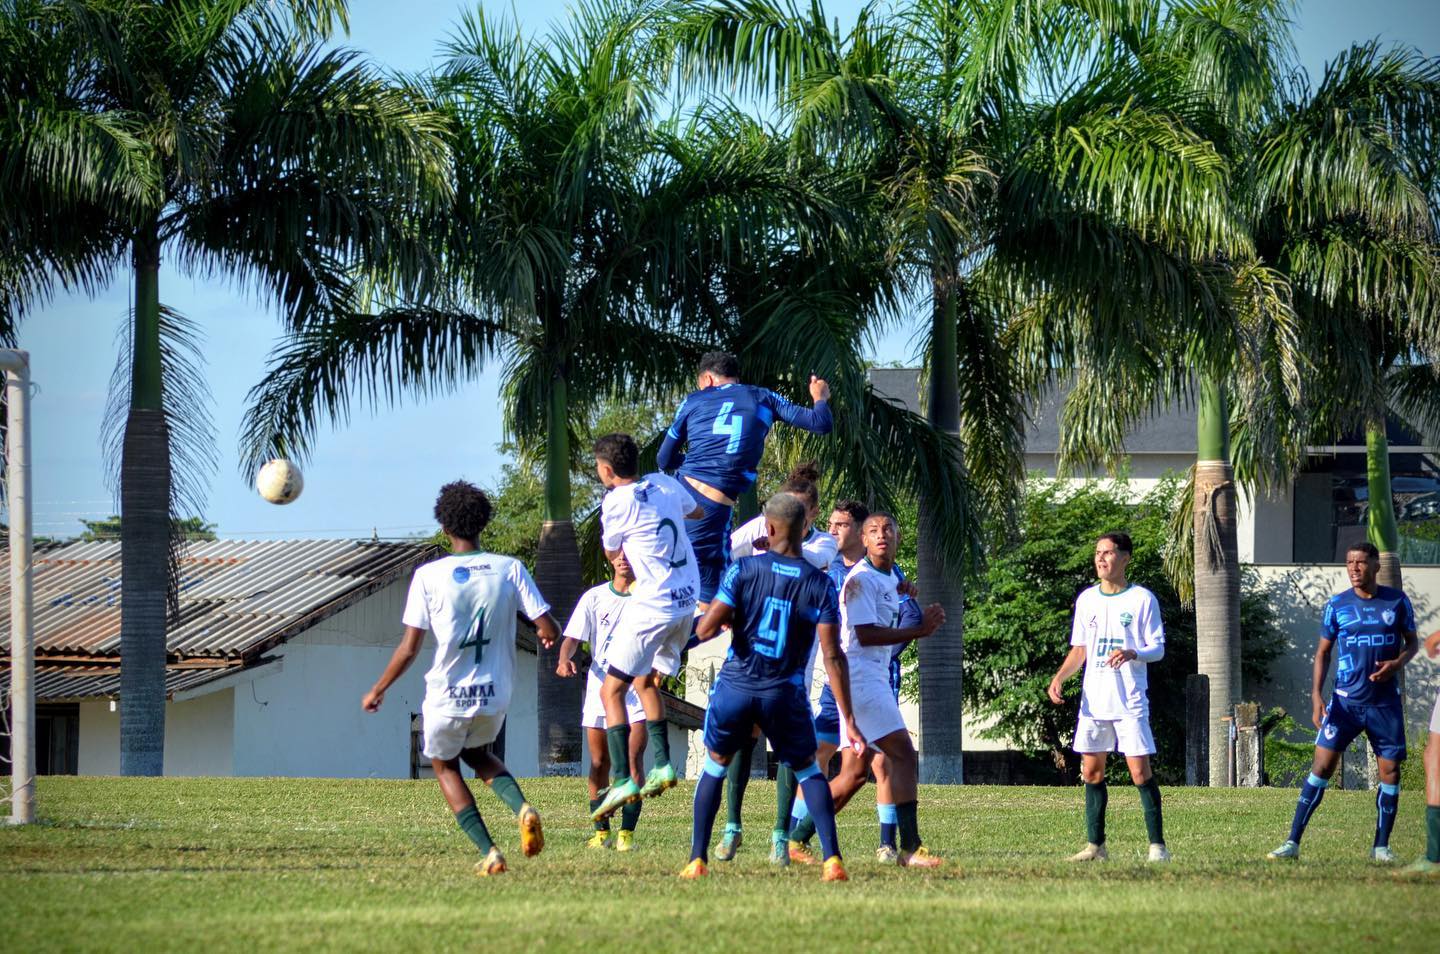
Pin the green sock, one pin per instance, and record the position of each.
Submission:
(604, 823)
(470, 823)
(804, 830)
(630, 815)
(1096, 796)
(909, 825)
(659, 742)
(737, 776)
(1150, 802)
(618, 741)
(785, 786)
(508, 791)
(1432, 833)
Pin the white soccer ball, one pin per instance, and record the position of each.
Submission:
(279, 481)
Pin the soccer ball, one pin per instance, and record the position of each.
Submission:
(279, 481)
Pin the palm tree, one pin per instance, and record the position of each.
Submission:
(1011, 214)
(225, 136)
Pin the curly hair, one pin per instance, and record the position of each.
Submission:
(620, 452)
(463, 510)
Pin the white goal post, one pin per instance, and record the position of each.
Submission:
(16, 365)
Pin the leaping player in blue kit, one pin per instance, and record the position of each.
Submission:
(722, 428)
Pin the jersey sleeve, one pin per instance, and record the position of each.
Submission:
(729, 583)
(1077, 628)
(822, 551)
(829, 603)
(532, 604)
(581, 626)
(742, 541)
(1150, 632)
(1329, 626)
(670, 457)
(817, 420)
(910, 613)
(1406, 621)
(859, 599)
(612, 522)
(417, 605)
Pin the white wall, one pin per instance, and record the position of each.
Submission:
(197, 737)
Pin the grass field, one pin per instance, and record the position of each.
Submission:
(260, 864)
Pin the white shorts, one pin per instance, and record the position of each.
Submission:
(592, 716)
(642, 645)
(1435, 716)
(446, 736)
(1129, 736)
(876, 712)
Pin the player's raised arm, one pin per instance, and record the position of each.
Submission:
(817, 420)
(670, 457)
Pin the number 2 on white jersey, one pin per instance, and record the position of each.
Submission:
(731, 425)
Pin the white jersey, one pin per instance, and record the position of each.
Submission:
(470, 601)
(1104, 623)
(868, 598)
(646, 519)
(595, 620)
(819, 548)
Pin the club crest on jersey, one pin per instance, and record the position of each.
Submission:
(460, 574)
(1389, 617)
(1126, 619)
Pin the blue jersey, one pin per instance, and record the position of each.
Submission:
(723, 430)
(1366, 632)
(778, 602)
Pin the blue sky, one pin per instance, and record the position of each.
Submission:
(380, 472)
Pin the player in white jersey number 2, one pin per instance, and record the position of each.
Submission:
(595, 621)
(469, 599)
(1116, 633)
(644, 517)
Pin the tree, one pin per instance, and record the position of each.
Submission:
(227, 136)
(187, 528)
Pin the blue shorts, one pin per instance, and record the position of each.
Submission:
(710, 539)
(783, 716)
(1383, 725)
(827, 718)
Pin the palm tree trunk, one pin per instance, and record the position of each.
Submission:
(144, 531)
(1381, 528)
(1217, 571)
(941, 654)
(560, 578)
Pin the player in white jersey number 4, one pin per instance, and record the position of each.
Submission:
(1116, 633)
(469, 599)
(644, 518)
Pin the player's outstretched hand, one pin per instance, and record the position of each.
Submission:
(1056, 696)
(565, 668)
(819, 390)
(371, 701)
(932, 618)
(1432, 644)
(1386, 670)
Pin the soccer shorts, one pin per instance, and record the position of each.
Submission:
(827, 717)
(709, 536)
(877, 714)
(1129, 736)
(446, 736)
(592, 715)
(1383, 725)
(782, 714)
(642, 645)
(1435, 716)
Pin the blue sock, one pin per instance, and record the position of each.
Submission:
(708, 791)
(1386, 801)
(889, 821)
(822, 809)
(1310, 794)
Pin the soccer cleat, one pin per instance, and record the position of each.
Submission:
(660, 778)
(625, 841)
(834, 870)
(1424, 868)
(1158, 852)
(1091, 852)
(492, 864)
(601, 839)
(919, 858)
(779, 851)
(532, 835)
(1382, 855)
(729, 844)
(1290, 851)
(887, 855)
(695, 870)
(800, 853)
(616, 796)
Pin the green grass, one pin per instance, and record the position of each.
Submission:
(259, 864)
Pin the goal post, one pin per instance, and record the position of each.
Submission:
(16, 365)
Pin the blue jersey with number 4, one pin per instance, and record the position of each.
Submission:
(1366, 632)
(723, 430)
(778, 602)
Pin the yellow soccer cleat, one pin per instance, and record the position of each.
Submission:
(695, 870)
(532, 835)
(834, 870)
(801, 854)
(625, 841)
(616, 797)
(601, 839)
(919, 858)
(492, 864)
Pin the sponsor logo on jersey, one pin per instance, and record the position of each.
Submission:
(469, 693)
(1370, 639)
(460, 574)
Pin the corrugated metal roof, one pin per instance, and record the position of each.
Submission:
(74, 683)
(236, 595)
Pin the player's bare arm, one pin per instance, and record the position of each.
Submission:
(716, 618)
(1432, 644)
(1073, 661)
(931, 619)
(1317, 681)
(400, 661)
(565, 665)
(1387, 669)
(837, 670)
(547, 630)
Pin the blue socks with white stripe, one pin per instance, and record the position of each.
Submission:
(708, 791)
(822, 808)
(1310, 794)
(1387, 800)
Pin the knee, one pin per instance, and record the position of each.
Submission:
(1390, 774)
(1092, 774)
(1140, 776)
